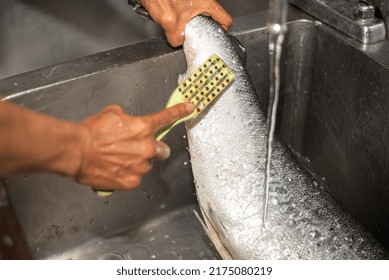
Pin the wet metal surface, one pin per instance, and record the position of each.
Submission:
(13, 244)
(339, 14)
(38, 33)
(163, 238)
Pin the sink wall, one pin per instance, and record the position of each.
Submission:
(38, 33)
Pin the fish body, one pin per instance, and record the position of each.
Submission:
(227, 145)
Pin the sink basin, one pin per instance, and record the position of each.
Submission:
(332, 116)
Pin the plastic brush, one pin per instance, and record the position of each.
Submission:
(201, 88)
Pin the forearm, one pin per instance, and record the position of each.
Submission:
(31, 141)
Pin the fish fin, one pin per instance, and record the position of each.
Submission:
(202, 223)
(213, 235)
(218, 225)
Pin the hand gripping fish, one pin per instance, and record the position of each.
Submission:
(227, 145)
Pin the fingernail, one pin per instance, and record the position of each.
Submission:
(189, 107)
(162, 152)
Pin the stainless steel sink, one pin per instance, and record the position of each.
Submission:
(332, 115)
(38, 33)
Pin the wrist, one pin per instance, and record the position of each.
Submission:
(35, 142)
(75, 151)
(71, 145)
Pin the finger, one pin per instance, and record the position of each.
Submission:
(130, 182)
(175, 39)
(221, 16)
(143, 168)
(113, 108)
(102, 192)
(162, 151)
(168, 115)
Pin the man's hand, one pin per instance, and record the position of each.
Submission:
(118, 148)
(173, 15)
(109, 150)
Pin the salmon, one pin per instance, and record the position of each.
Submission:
(227, 145)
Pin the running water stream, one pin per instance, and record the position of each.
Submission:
(276, 29)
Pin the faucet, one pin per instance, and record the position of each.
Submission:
(383, 6)
(357, 19)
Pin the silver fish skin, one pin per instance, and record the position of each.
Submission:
(227, 145)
